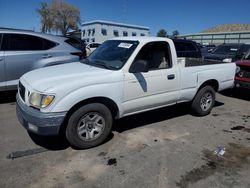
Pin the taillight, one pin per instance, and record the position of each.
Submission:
(81, 55)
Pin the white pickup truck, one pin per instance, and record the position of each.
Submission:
(123, 76)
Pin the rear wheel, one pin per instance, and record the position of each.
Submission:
(89, 126)
(203, 101)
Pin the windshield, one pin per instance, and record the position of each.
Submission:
(226, 49)
(112, 54)
(247, 56)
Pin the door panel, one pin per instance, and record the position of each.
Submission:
(149, 90)
(157, 87)
(18, 63)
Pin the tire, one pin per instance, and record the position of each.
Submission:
(203, 101)
(89, 126)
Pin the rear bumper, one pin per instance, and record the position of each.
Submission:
(38, 122)
(242, 84)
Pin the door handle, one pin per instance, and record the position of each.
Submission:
(46, 56)
(1, 59)
(171, 76)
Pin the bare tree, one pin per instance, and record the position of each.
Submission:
(46, 21)
(59, 16)
(162, 33)
(175, 33)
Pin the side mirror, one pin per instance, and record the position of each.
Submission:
(139, 66)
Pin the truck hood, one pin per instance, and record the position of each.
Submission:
(45, 79)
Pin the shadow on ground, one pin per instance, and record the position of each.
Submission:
(50, 142)
(154, 116)
(7, 96)
(238, 93)
(56, 143)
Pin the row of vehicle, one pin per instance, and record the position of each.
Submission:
(22, 51)
(238, 53)
(230, 52)
(123, 76)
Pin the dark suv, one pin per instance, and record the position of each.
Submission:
(228, 52)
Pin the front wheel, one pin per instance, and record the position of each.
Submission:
(203, 101)
(89, 126)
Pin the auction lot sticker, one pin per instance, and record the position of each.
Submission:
(125, 45)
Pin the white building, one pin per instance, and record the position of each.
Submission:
(99, 30)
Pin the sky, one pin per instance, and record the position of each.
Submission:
(186, 16)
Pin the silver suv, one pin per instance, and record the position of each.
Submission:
(22, 51)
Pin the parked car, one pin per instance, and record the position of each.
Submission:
(22, 51)
(207, 49)
(228, 52)
(123, 76)
(91, 47)
(242, 76)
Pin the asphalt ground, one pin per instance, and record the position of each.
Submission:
(162, 148)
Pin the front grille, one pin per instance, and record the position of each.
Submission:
(22, 91)
(244, 74)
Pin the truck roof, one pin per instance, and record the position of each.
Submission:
(142, 39)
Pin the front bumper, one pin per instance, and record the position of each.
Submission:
(38, 122)
(242, 84)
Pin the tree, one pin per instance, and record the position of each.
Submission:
(59, 16)
(46, 21)
(175, 33)
(162, 33)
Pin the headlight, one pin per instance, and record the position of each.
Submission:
(40, 100)
(237, 69)
(227, 60)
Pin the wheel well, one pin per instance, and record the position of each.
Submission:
(110, 104)
(213, 83)
(103, 100)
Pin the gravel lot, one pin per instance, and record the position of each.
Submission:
(161, 148)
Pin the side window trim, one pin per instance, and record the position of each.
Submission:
(41, 42)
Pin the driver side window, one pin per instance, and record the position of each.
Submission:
(156, 54)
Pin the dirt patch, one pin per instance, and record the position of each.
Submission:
(235, 157)
(215, 115)
(237, 128)
(246, 130)
(112, 161)
(241, 128)
(102, 154)
(227, 131)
